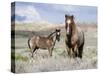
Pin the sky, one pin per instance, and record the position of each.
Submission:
(26, 12)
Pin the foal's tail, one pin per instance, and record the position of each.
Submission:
(29, 43)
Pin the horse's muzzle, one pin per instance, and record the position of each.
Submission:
(58, 39)
(67, 34)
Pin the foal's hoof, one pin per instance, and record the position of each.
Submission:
(50, 56)
(32, 56)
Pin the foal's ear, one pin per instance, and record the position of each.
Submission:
(57, 29)
(65, 16)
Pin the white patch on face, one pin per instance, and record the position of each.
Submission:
(68, 22)
(68, 29)
(58, 33)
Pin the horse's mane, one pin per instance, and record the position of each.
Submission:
(51, 35)
(73, 28)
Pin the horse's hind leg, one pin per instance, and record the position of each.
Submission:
(80, 50)
(76, 51)
(33, 51)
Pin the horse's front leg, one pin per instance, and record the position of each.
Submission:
(76, 50)
(70, 52)
(50, 51)
(71, 56)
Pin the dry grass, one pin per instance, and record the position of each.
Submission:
(59, 61)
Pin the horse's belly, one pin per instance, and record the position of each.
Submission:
(42, 46)
(81, 38)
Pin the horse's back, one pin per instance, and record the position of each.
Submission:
(41, 42)
(32, 41)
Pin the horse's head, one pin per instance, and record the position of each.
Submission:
(69, 24)
(58, 34)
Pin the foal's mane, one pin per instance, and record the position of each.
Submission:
(51, 35)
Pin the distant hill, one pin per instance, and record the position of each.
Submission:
(35, 26)
(43, 25)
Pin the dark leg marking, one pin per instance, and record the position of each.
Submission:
(34, 50)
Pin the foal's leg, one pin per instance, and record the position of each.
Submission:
(33, 51)
(50, 51)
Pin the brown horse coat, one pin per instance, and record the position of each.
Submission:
(74, 37)
(48, 42)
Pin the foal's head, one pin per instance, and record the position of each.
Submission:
(58, 34)
(69, 20)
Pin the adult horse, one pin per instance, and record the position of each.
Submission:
(48, 42)
(74, 37)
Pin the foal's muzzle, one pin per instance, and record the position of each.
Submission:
(58, 38)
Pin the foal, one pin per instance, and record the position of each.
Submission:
(48, 42)
(74, 37)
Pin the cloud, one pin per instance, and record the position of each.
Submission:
(26, 14)
(54, 13)
(64, 8)
(74, 9)
(81, 13)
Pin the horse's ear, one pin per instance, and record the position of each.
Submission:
(65, 16)
(56, 29)
(72, 16)
(59, 30)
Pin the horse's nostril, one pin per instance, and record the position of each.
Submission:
(67, 35)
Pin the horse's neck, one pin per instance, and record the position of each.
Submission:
(53, 37)
(74, 29)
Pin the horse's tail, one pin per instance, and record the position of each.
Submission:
(29, 43)
(83, 38)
